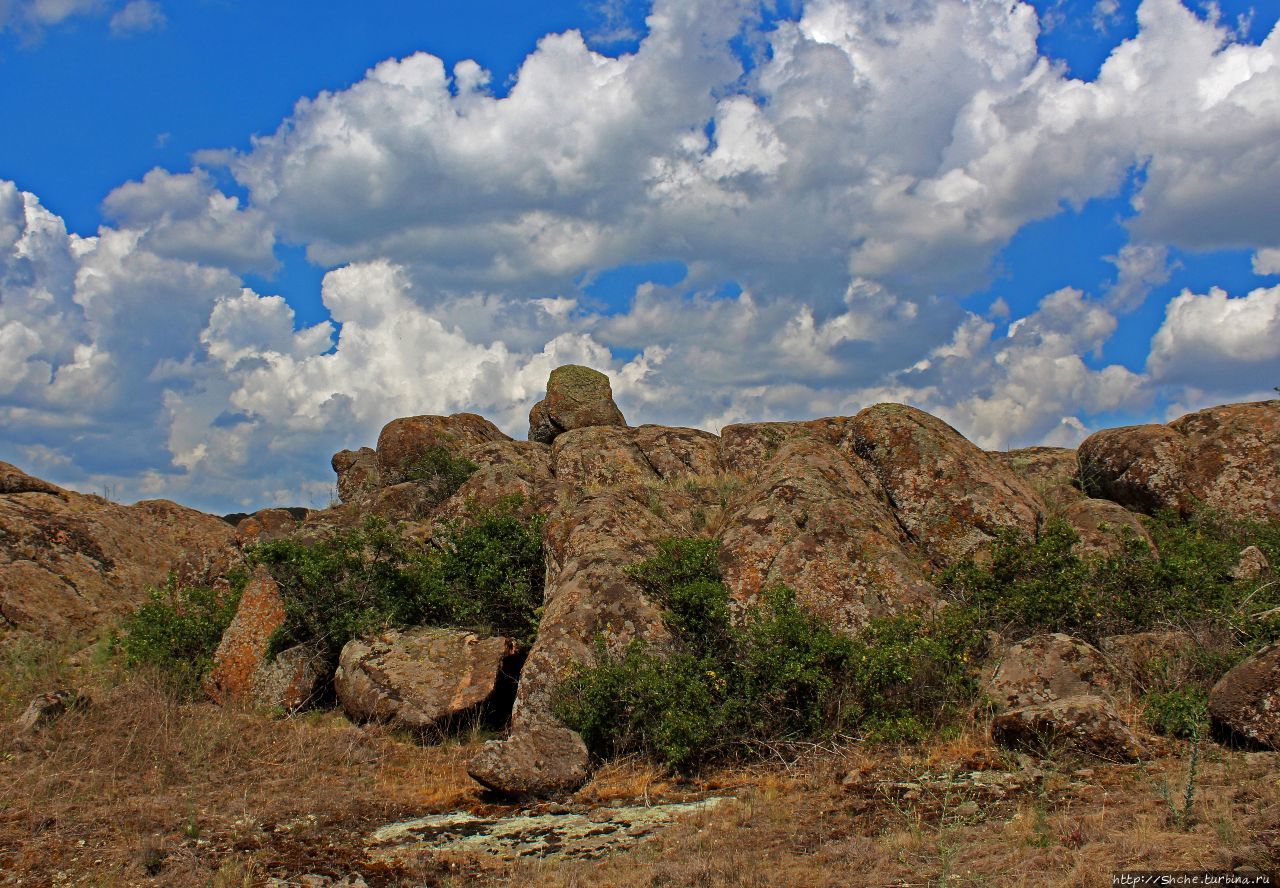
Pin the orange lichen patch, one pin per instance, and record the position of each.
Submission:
(245, 643)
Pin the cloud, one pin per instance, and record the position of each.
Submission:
(829, 202)
(137, 16)
(183, 216)
(1267, 261)
(1220, 343)
(1140, 268)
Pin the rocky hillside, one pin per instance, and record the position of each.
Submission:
(71, 562)
(858, 515)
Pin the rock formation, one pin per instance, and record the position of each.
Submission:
(577, 398)
(1227, 458)
(72, 562)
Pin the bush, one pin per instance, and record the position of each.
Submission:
(178, 630)
(1029, 586)
(1180, 712)
(728, 690)
(486, 574)
(441, 471)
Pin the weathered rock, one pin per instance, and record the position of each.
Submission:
(558, 835)
(1247, 698)
(949, 495)
(1142, 656)
(1104, 527)
(71, 562)
(402, 442)
(676, 453)
(265, 524)
(812, 522)
(746, 447)
(1052, 472)
(1140, 467)
(1251, 566)
(507, 469)
(577, 398)
(1050, 667)
(541, 760)
(14, 480)
(599, 457)
(589, 545)
(291, 681)
(243, 649)
(46, 709)
(1227, 458)
(1083, 723)
(421, 678)
(357, 472)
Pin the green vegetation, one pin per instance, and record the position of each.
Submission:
(484, 573)
(440, 471)
(725, 689)
(178, 629)
(1178, 712)
(733, 682)
(1029, 586)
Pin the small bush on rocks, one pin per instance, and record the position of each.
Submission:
(1040, 585)
(485, 573)
(729, 689)
(1178, 712)
(441, 471)
(177, 631)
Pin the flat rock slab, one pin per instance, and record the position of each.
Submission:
(547, 836)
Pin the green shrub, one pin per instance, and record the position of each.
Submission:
(441, 471)
(486, 573)
(177, 631)
(726, 689)
(1180, 712)
(1028, 586)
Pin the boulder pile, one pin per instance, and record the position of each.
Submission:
(855, 513)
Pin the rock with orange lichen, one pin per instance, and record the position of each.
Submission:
(1226, 458)
(246, 642)
(950, 496)
(423, 678)
(71, 563)
(402, 442)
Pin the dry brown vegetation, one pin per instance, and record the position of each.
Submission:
(139, 788)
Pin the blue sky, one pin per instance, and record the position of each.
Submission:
(240, 236)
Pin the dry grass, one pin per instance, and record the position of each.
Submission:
(142, 789)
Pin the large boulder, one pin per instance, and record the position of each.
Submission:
(243, 650)
(1054, 691)
(294, 679)
(1049, 667)
(1104, 527)
(264, 525)
(357, 472)
(811, 522)
(542, 760)
(1084, 723)
(1247, 698)
(599, 457)
(71, 562)
(577, 398)
(403, 442)
(422, 678)
(949, 495)
(1227, 458)
(507, 470)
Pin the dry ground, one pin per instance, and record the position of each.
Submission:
(141, 789)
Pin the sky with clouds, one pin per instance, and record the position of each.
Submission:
(237, 237)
